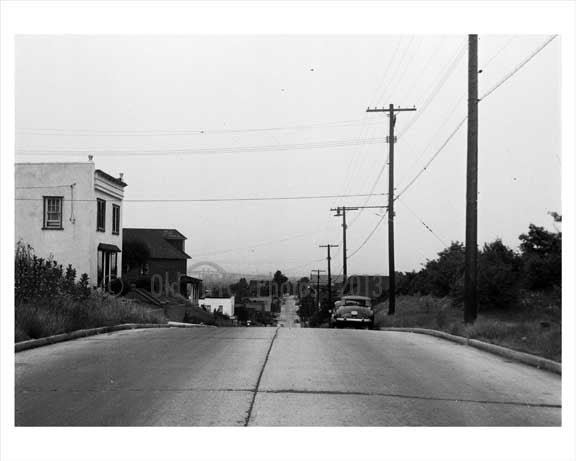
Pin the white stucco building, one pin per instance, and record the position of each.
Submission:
(73, 213)
(222, 305)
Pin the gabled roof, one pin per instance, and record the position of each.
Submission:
(157, 241)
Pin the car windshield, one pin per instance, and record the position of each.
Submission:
(348, 309)
(357, 301)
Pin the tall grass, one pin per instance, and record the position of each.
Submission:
(49, 300)
(535, 327)
(35, 319)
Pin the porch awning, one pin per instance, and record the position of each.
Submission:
(109, 247)
(188, 279)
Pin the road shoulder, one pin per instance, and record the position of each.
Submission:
(522, 357)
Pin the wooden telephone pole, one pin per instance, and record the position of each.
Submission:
(341, 211)
(329, 273)
(471, 255)
(391, 266)
(317, 288)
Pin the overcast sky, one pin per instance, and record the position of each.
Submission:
(196, 117)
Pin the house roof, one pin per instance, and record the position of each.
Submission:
(110, 178)
(157, 241)
(172, 234)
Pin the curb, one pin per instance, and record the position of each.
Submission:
(33, 343)
(522, 357)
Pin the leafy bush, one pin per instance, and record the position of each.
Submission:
(498, 276)
(39, 278)
(441, 274)
(542, 256)
(50, 301)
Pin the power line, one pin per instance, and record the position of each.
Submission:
(518, 67)
(424, 224)
(208, 151)
(437, 88)
(432, 158)
(446, 75)
(450, 136)
(500, 50)
(488, 93)
(222, 199)
(42, 187)
(184, 132)
(256, 245)
(369, 235)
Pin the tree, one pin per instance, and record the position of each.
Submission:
(542, 258)
(279, 280)
(442, 274)
(241, 290)
(499, 272)
(307, 307)
(135, 254)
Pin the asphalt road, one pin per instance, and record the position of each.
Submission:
(277, 376)
(288, 316)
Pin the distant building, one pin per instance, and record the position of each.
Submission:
(222, 305)
(335, 279)
(260, 304)
(73, 213)
(259, 288)
(166, 266)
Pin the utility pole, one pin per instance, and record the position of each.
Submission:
(318, 288)
(391, 139)
(329, 273)
(471, 255)
(341, 211)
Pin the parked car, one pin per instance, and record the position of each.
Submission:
(352, 314)
(363, 301)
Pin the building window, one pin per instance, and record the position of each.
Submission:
(101, 215)
(115, 219)
(53, 212)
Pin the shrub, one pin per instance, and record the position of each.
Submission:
(49, 300)
(39, 278)
(498, 277)
(542, 256)
(441, 274)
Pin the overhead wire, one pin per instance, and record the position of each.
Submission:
(518, 67)
(206, 151)
(369, 236)
(365, 133)
(447, 73)
(220, 199)
(185, 132)
(423, 223)
(484, 96)
(453, 133)
(256, 245)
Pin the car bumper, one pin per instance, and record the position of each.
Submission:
(353, 322)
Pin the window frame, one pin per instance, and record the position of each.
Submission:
(115, 219)
(100, 201)
(45, 222)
